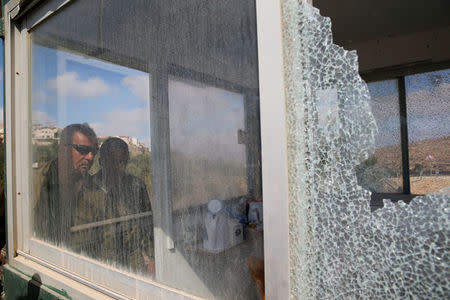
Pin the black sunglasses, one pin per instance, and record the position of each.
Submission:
(83, 149)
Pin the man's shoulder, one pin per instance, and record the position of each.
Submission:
(45, 167)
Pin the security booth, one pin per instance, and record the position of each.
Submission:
(226, 150)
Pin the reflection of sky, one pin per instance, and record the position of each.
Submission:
(428, 98)
(68, 88)
(428, 105)
(384, 103)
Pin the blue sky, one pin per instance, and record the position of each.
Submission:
(68, 88)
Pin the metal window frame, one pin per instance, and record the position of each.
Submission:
(17, 123)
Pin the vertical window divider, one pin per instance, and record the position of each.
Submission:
(404, 134)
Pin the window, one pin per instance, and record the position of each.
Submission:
(141, 150)
(412, 153)
(166, 201)
(428, 122)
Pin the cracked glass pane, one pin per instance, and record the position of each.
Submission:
(382, 171)
(339, 248)
(427, 100)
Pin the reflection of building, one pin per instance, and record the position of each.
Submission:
(45, 135)
(131, 141)
(134, 145)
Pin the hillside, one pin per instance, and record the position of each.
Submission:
(439, 148)
(429, 162)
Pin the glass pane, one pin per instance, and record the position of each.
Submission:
(206, 158)
(98, 205)
(176, 82)
(427, 101)
(382, 171)
(339, 248)
(209, 183)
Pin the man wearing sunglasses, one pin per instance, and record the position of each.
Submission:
(63, 182)
(120, 202)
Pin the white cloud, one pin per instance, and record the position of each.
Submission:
(1, 115)
(70, 85)
(429, 101)
(40, 117)
(133, 123)
(139, 85)
(41, 97)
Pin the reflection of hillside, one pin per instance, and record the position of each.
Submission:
(439, 148)
(197, 179)
(429, 162)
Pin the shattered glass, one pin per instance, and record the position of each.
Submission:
(339, 248)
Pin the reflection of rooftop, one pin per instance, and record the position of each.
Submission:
(134, 145)
(45, 135)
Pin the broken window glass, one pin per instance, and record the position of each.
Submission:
(382, 171)
(428, 111)
(338, 247)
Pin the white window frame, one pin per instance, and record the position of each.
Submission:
(64, 269)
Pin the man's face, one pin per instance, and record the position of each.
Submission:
(117, 160)
(82, 160)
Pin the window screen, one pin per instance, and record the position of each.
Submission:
(145, 141)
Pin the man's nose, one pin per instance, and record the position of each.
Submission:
(89, 156)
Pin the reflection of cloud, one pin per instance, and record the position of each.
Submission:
(41, 97)
(133, 123)
(428, 126)
(428, 112)
(70, 85)
(139, 85)
(40, 117)
(429, 101)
